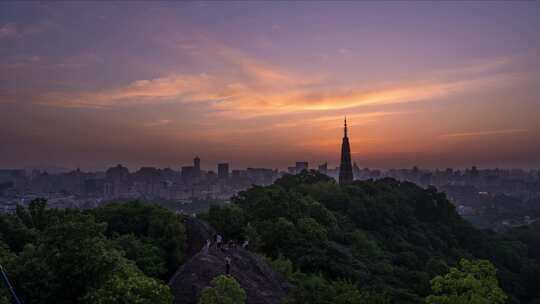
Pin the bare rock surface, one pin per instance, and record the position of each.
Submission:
(198, 231)
(261, 283)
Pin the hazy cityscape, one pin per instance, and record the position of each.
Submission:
(489, 198)
(269, 152)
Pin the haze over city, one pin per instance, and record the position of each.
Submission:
(270, 152)
(265, 84)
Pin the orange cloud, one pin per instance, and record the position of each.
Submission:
(251, 88)
(484, 133)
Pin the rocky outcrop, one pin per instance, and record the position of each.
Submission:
(198, 231)
(261, 283)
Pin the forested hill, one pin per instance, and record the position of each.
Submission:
(118, 253)
(371, 242)
(379, 241)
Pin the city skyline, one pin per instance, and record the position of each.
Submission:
(344, 168)
(435, 85)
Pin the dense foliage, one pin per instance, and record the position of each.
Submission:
(152, 236)
(373, 242)
(384, 239)
(471, 282)
(223, 290)
(114, 254)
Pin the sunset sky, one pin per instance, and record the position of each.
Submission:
(265, 84)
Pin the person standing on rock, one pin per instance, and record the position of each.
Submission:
(227, 265)
(206, 247)
(219, 239)
(245, 244)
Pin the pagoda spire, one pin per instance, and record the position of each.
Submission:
(345, 127)
(345, 168)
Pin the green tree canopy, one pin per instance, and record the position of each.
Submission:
(388, 237)
(67, 256)
(223, 290)
(156, 225)
(129, 285)
(143, 252)
(471, 282)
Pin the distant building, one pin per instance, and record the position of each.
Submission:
(10, 174)
(188, 173)
(239, 178)
(345, 168)
(261, 176)
(223, 171)
(118, 173)
(323, 168)
(301, 166)
(197, 166)
(15, 177)
(356, 171)
(211, 177)
(238, 173)
(95, 187)
(147, 174)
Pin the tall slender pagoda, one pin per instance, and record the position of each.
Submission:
(345, 168)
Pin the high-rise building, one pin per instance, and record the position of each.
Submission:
(356, 171)
(345, 168)
(188, 173)
(301, 166)
(118, 173)
(261, 176)
(197, 166)
(223, 171)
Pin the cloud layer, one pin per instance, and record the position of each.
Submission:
(246, 87)
(265, 84)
